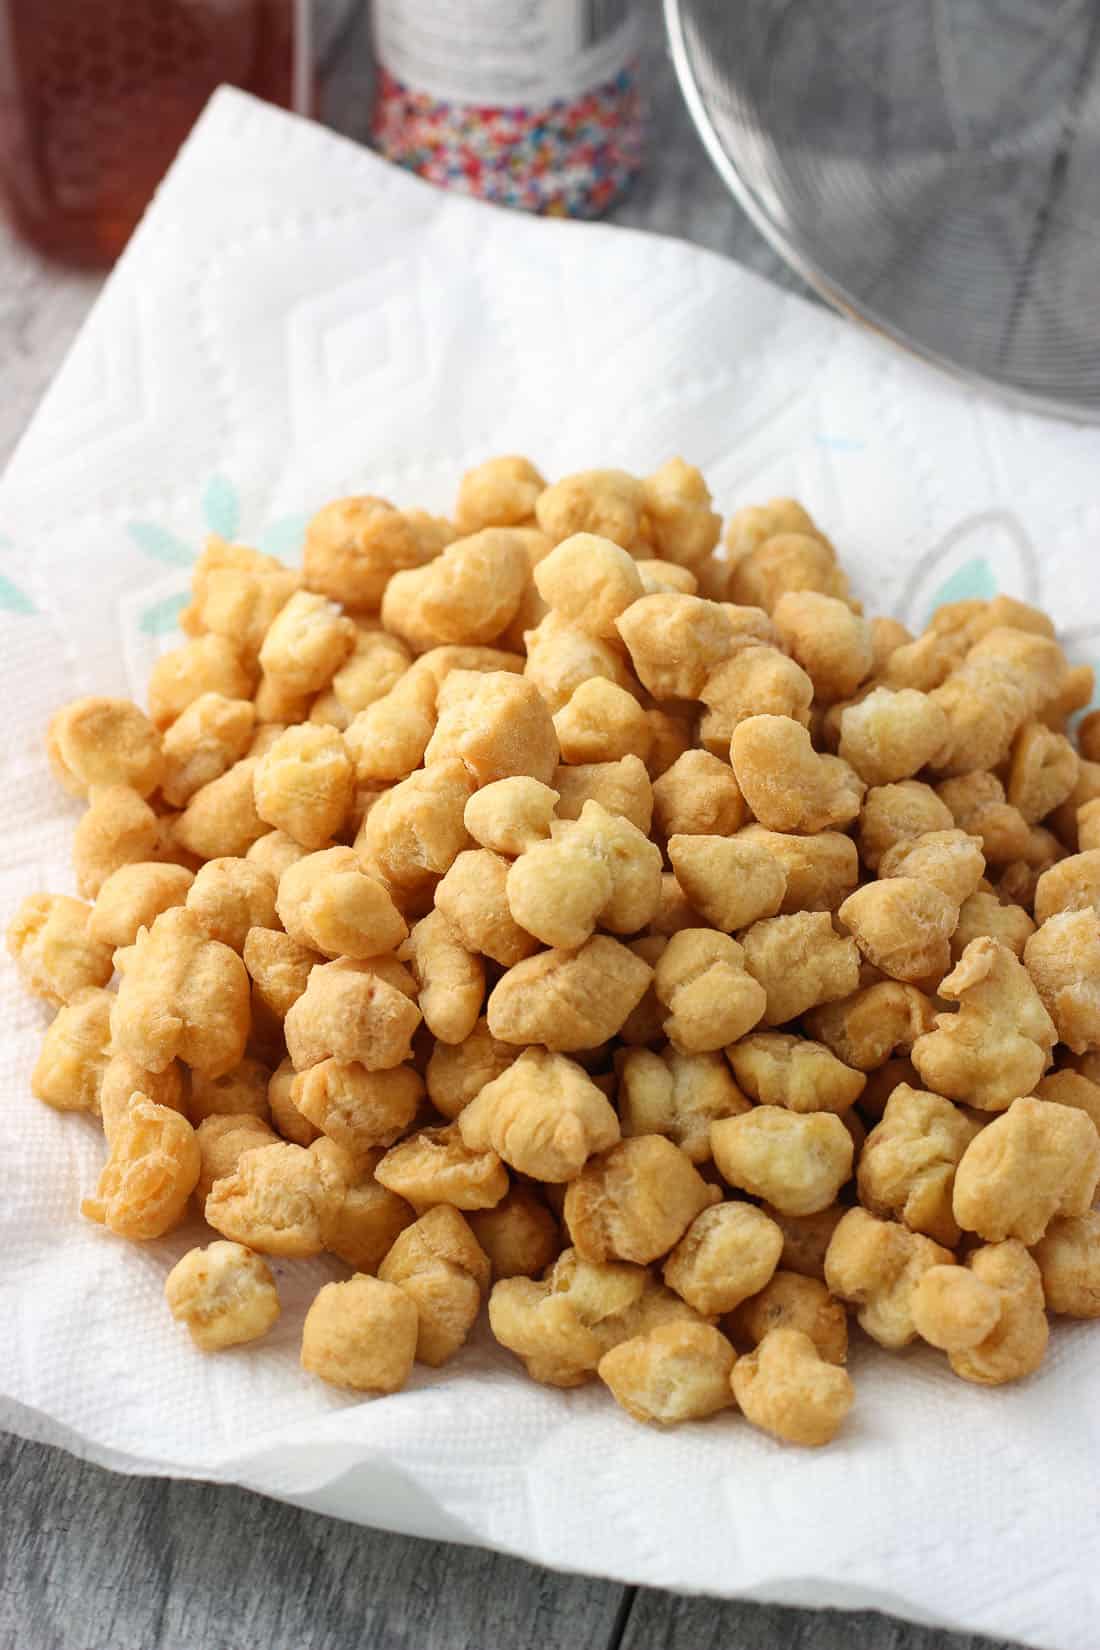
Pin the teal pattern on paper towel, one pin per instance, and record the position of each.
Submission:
(221, 514)
(12, 599)
(163, 617)
(974, 580)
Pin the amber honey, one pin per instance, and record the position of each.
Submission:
(96, 97)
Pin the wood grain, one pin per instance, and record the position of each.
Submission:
(93, 1561)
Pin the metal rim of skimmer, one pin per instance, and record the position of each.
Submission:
(834, 292)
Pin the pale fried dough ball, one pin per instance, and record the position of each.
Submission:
(951, 861)
(635, 1201)
(1073, 884)
(698, 796)
(511, 814)
(756, 681)
(208, 664)
(119, 828)
(238, 1093)
(326, 902)
(795, 1162)
(224, 1294)
(606, 502)
(473, 898)
(223, 1139)
(568, 1000)
(182, 996)
(791, 561)
(598, 869)
(386, 740)
(562, 1325)
(800, 961)
(865, 1029)
(777, 1069)
(903, 926)
(361, 1334)
(829, 641)
(229, 897)
(754, 524)
(501, 492)
(678, 516)
(978, 805)
(543, 1115)
(75, 1052)
(436, 1166)
(292, 1124)
(438, 1263)
(675, 642)
(1063, 959)
(467, 595)
(590, 581)
(788, 786)
(360, 1227)
(820, 870)
(520, 1235)
(1068, 1257)
(1036, 1161)
(456, 1073)
(97, 741)
(133, 897)
(908, 1162)
(898, 813)
(275, 1200)
(451, 978)
(702, 979)
(728, 1253)
(675, 1372)
(497, 724)
(791, 1301)
(1042, 771)
(677, 1095)
(892, 734)
(602, 723)
(786, 1388)
(220, 820)
(414, 832)
(560, 656)
(998, 1044)
(982, 916)
(731, 881)
(622, 787)
(354, 545)
(306, 645)
(351, 1011)
(150, 1174)
(203, 742)
(360, 1110)
(303, 784)
(876, 1266)
(1073, 1088)
(1017, 1343)
(953, 1308)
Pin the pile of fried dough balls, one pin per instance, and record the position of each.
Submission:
(555, 907)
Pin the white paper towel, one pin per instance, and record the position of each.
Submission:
(295, 320)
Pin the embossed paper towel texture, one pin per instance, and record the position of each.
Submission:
(296, 320)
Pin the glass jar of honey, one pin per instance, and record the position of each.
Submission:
(96, 97)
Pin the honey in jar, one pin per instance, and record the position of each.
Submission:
(96, 97)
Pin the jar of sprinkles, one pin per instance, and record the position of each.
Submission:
(526, 103)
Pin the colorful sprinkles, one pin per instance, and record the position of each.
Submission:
(573, 158)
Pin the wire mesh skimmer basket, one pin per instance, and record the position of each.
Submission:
(930, 166)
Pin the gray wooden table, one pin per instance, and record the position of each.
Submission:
(93, 1561)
